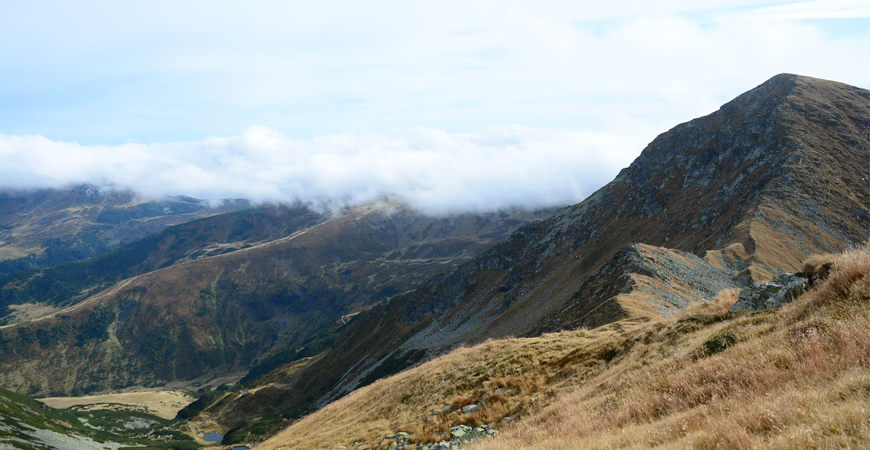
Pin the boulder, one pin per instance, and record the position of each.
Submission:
(783, 289)
(470, 408)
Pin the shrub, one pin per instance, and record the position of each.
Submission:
(719, 342)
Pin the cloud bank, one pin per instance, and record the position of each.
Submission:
(430, 169)
(336, 84)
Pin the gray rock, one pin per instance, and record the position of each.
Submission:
(470, 408)
(460, 430)
(783, 289)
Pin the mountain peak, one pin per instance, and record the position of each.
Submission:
(798, 92)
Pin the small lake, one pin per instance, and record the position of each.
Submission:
(213, 437)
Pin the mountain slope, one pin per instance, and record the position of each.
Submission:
(182, 307)
(68, 284)
(48, 227)
(798, 377)
(772, 176)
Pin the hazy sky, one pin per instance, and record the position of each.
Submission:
(450, 105)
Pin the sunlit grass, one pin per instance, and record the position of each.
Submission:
(794, 378)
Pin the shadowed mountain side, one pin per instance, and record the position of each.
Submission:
(217, 315)
(48, 227)
(70, 283)
(755, 187)
(640, 280)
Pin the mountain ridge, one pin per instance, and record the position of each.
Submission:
(191, 304)
(739, 187)
(42, 228)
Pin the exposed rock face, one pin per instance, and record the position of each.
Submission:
(640, 279)
(769, 178)
(773, 294)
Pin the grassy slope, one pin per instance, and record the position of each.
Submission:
(798, 377)
(28, 424)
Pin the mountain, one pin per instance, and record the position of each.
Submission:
(68, 284)
(221, 296)
(734, 197)
(47, 227)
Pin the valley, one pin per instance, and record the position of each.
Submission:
(161, 403)
(223, 295)
(48, 227)
(607, 323)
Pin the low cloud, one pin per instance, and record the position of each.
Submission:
(432, 170)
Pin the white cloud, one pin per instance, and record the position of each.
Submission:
(432, 170)
(816, 9)
(337, 82)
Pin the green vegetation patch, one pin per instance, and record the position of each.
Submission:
(252, 427)
(719, 342)
(207, 399)
(22, 417)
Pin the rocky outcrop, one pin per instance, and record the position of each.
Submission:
(640, 279)
(459, 436)
(773, 294)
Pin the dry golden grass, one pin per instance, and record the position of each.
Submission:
(819, 266)
(794, 378)
(165, 404)
(718, 306)
(512, 376)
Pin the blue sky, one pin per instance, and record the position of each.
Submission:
(570, 82)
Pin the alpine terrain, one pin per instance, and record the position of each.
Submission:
(715, 294)
(221, 296)
(723, 201)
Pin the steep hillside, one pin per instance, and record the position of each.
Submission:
(48, 227)
(193, 304)
(771, 177)
(68, 284)
(798, 377)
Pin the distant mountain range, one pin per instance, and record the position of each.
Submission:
(223, 295)
(47, 227)
(304, 308)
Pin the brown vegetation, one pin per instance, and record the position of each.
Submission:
(165, 404)
(793, 378)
